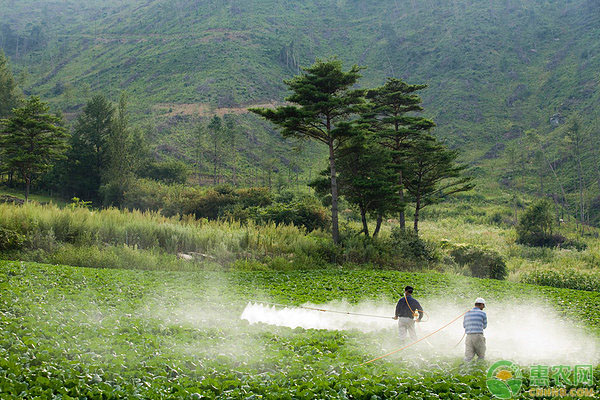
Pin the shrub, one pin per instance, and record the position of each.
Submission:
(541, 240)
(408, 244)
(51, 227)
(210, 204)
(145, 194)
(565, 278)
(573, 244)
(535, 226)
(11, 240)
(123, 257)
(306, 212)
(166, 171)
(402, 250)
(483, 263)
(254, 197)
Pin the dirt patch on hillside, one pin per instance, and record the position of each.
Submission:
(204, 109)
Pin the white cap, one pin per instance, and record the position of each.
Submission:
(479, 300)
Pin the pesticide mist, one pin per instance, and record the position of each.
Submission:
(526, 333)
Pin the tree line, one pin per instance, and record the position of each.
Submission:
(382, 155)
(104, 152)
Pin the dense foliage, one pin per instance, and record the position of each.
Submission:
(483, 263)
(535, 226)
(31, 141)
(287, 236)
(11, 240)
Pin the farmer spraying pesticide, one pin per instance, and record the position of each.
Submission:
(474, 323)
(406, 310)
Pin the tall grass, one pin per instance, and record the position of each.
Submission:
(48, 226)
(134, 239)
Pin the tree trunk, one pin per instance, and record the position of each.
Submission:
(334, 195)
(27, 185)
(378, 226)
(516, 219)
(402, 217)
(198, 166)
(269, 178)
(363, 216)
(417, 209)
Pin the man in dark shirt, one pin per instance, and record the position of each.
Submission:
(406, 311)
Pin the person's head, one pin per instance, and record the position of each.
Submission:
(480, 303)
(408, 291)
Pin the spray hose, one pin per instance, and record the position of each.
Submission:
(417, 341)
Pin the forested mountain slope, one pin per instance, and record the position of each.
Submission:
(495, 69)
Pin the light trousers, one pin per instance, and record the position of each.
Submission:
(406, 326)
(474, 345)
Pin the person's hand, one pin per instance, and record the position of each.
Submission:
(395, 317)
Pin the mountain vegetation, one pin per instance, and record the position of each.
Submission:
(505, 78)
(525, 69)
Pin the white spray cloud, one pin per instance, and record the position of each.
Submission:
(525, 333)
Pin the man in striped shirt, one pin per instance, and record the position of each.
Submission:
(474, 323)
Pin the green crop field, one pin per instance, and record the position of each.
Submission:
(74, 333)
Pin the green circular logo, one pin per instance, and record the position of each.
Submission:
(504, 379)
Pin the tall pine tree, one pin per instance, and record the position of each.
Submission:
(32, 140)
(88, 156)
(390, 115)
(121, 156)
(323, 103)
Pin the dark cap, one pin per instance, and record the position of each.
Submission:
(408, 289)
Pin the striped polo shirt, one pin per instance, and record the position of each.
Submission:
(475, 321)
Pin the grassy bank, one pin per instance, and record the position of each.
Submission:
(114, 238)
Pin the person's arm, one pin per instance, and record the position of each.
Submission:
(484, 320)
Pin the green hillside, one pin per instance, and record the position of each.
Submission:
(495, 69)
